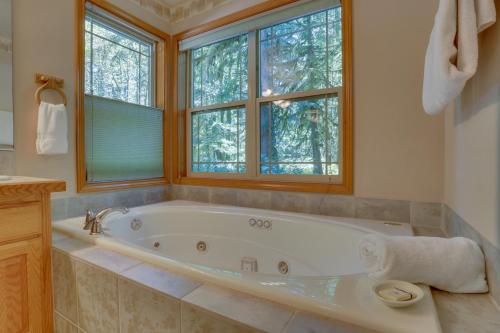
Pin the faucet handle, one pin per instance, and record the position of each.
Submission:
(96, 228)
(89, 218)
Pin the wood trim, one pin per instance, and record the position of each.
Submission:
(46, 261)
(80, 78)
(179, 169)
(347, 99)
(21, 185)
(121, 185)
(162, 87)
(166, 116)
(266, 185)
(176, 149)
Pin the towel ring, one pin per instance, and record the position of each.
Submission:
(49, 83)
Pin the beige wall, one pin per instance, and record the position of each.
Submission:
(44, 42)
(398, 149)
(472, 144)
(44, 35)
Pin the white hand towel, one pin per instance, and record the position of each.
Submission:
(455, 264)
(52, 132)
(448, 67)
(6, 128)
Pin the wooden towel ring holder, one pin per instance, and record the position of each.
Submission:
(49, 83)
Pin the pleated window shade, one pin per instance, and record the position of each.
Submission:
(124, 141)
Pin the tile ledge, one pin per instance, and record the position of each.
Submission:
(454, 311)
(191, 286)
(210, 297)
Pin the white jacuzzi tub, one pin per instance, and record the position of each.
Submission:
(306, 261)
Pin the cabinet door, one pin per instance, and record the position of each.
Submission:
(21, 287)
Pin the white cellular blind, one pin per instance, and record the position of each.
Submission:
(124, 141)
(257, 22)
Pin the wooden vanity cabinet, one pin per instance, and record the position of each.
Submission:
(25, 255)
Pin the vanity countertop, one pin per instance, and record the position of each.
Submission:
(19, 183)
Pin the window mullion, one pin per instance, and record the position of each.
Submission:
(217, 106)
(252, 130)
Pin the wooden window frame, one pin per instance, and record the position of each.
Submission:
(179, 124)
(161, 96)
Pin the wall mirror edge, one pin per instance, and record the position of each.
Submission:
(6, 82)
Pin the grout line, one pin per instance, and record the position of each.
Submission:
(213, 316)
(494, 301)
(118, 302)
(189, 293)
(77, 298)
(130, 267)
(148, 288)
(180, 316)
(289, 322)
(65, 318)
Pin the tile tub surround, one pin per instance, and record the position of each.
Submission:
(100, 291)
(417, 213)
(7, 159)
(63, 208)
(455, 226)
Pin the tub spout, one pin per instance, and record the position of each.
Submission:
(95, 224)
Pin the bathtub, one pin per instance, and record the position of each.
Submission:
(309, 262)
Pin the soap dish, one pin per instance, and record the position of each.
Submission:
(408, 293)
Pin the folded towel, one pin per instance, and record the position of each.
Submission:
(52, 133)
(6, 128)
(449, 66)
(455, 264)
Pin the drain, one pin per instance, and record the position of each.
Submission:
(156, 245)
(201, 246)
(283, 267)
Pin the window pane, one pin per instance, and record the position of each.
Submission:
(220, 72)
(218, 140)
(117, 65)
(300, 136)
(302, 54)
(122, 141)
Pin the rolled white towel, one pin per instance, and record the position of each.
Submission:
(455, 264)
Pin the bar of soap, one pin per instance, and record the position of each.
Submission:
(393, 294)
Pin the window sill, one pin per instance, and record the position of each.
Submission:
(344, 188)
(120, 185)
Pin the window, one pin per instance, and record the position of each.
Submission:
(219, 95)
(122, 116)
(265, 100)
(300, 136)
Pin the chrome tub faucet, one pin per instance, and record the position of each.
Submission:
(93, 222)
